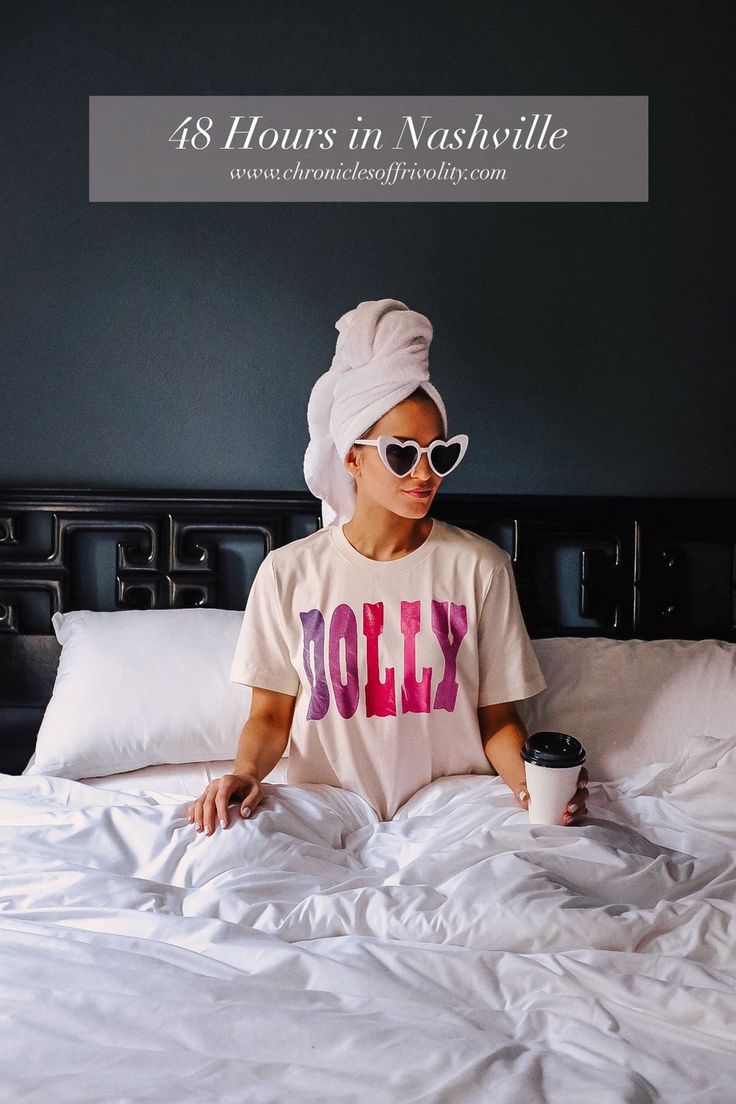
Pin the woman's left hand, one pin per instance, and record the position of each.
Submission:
(578, 808)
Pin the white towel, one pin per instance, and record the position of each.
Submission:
(381, 357)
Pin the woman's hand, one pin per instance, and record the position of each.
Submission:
(213, 804)
(577, 807)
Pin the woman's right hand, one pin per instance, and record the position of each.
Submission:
(212, 805)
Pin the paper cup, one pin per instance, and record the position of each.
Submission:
(550, 789)
(552, 762)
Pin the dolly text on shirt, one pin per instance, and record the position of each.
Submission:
(449, 627)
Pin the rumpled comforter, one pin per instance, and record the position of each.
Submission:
(453, 954)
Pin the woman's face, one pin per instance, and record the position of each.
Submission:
(413, 419)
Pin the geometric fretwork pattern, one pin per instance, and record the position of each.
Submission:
(618, 567)
(584, 566)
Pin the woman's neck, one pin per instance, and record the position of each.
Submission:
(386, 538)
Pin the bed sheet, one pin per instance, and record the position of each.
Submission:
(453, 955)
(175, 779)
(171, 779)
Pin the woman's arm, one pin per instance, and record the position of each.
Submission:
(504, 733)
(265, 734)
(262, 742)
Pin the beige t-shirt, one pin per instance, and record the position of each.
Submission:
(389, 660)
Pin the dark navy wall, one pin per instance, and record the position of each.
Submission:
(584, 347)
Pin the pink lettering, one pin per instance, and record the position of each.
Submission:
(380, 697)
(344, 627)
(414, 694)
(449, 624)
(458, 623)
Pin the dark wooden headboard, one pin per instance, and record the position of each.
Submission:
(648, 568)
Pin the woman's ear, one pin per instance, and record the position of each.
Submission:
(350, 463)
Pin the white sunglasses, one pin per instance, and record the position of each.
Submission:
(401, 457)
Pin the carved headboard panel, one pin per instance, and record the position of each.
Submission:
(584, 566)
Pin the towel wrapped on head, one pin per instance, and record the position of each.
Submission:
(381, 357)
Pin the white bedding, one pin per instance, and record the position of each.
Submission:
(454, 954)
(176, 779)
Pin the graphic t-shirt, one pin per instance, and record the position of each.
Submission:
(388, 660)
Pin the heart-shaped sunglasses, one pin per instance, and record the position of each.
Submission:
(401, 457)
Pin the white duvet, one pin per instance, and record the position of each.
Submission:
(315, 954)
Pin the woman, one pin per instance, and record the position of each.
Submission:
(403, 633)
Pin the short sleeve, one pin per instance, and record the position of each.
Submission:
(509, 669)
(261, 654)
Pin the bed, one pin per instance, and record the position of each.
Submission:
(453, 954)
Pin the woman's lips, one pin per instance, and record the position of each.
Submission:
(419, 494)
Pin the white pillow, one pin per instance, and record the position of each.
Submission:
(141, 687)
(633, 702)
(188, 779)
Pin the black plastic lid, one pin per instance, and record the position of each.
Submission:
(553, 749)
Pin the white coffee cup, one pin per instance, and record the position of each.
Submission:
(552, 762)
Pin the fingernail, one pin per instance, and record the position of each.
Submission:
(573, 808)
(246, 811)
(522, 795)
(207, 830)
(223, 823)
(198, 826)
